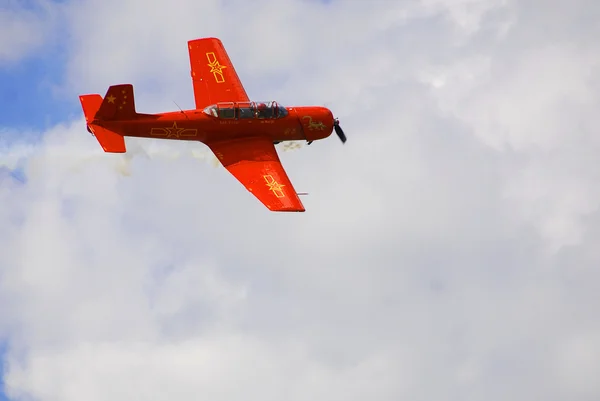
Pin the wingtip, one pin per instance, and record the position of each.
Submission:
(287, 209)
(198, 40)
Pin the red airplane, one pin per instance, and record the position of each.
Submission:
(241, 133)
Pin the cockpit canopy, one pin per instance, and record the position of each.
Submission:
(244, 110)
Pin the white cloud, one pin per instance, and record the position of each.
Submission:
(448, 251)
(22, 30)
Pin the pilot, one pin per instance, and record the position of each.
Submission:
(261, 111)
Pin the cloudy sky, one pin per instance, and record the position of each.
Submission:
(449, 250)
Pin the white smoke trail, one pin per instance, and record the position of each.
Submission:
(75, 154)
(290, 146)
(156, 150)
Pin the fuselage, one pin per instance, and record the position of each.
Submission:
(226, 121)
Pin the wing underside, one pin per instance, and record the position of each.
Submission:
(255, 164)
(213, 76)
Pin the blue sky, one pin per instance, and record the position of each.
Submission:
(28, 99)
(2, 361)
(31, 98)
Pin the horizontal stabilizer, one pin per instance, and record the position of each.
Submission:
(110, 141)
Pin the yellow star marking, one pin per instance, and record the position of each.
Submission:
(274, 186)
(215, 67)
(173, 131)
(111, 99)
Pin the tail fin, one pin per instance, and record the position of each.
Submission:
(118, 104)
(110, 141)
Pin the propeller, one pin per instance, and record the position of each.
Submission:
(338, 130)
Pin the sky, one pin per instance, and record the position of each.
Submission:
(448, 251)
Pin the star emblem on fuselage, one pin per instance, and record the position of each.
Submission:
(174, 131)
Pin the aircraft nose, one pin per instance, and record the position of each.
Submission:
(317, 122)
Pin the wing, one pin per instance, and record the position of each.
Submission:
(213, 76)
(255, 163)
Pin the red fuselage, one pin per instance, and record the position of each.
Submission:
(290, 124)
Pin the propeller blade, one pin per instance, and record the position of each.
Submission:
(339, 132)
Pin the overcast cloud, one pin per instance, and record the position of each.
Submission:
(449, 250)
